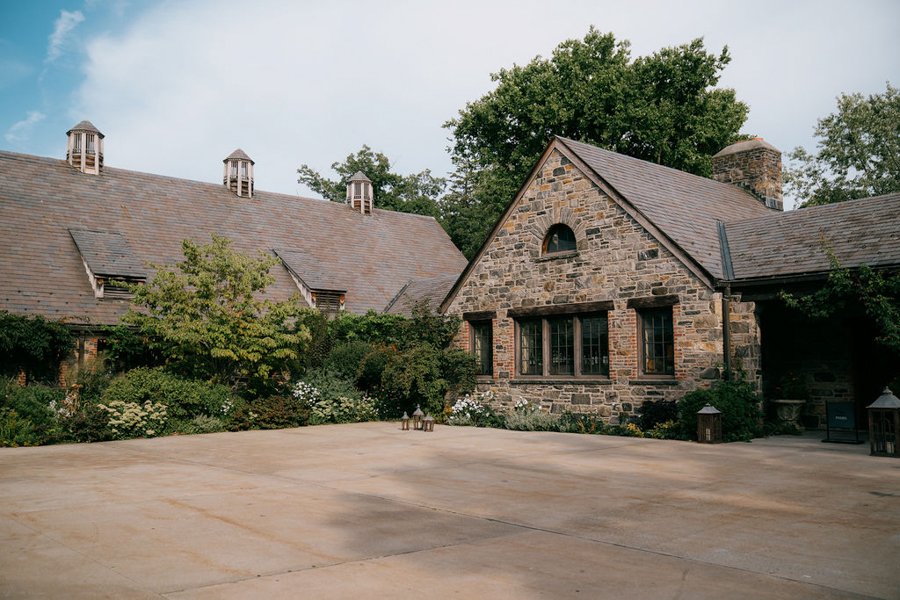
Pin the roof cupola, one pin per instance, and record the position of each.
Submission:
(238, 175)
(85, 148)
(360, 196)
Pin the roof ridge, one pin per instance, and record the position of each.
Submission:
(662, 167)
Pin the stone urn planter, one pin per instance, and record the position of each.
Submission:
(788, 411)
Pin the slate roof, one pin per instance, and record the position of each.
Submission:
(42, 199)
(684, 206)
(759, 243)
(432, 290)
(108, 254)
(859, 232)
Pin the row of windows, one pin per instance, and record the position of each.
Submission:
(577, 345)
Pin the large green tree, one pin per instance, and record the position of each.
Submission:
(206, 317)
(416, 193)
(858, 152)
(662, 108)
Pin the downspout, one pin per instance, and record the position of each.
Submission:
(726, 332)
(728, 272)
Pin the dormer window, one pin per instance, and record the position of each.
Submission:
(110, 264)
(90, 142)
(320, 288)
(559, 238)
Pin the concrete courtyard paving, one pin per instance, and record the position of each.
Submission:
(369, 511)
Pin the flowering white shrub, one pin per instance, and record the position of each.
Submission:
(472, 410)
(130, 419)
(526, 407)
(338, 409)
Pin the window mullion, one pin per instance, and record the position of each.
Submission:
(576, 331)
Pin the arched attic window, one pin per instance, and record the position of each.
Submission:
(559, 238)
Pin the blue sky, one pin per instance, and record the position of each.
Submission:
(177, 85)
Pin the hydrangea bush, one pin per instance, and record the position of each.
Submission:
(130, 419)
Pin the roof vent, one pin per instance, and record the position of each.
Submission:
(238, 175)
(359, 194)
(85, 148)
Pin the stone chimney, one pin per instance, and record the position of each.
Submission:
(238, 176)
(84, 150)
(359, 194)
(754, 165)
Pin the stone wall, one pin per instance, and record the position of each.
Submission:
(616, 261)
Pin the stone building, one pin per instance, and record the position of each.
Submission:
(610, 281)
(72, 231)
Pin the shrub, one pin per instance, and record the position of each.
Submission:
(581, 423)
(346, 359)
(371, 374)
(16, 430)
(668, 430)
(270, 412)
(333, 400)
(202, 424)
(654, 413)
(80, 415)
(529, 417)
(130, 419)
(737, 401)
(475, 410)
(33, 345)
(30, 417)
(184, 399)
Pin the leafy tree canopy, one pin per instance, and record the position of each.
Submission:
(662, 108)
(204, 315)
(858, 152)
(416, 193)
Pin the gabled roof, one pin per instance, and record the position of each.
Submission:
(798, 242)
(41, 270)
(107, 254)
(682, 210)
(685, 207)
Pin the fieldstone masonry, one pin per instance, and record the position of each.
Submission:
(616, 261)
(755, 165)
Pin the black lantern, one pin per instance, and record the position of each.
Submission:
(417, 418)
(428, 423)
(709, 425)
(404, 422)
(884, 425)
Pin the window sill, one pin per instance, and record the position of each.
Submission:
(649, 380)
(561, 381)
(557, 256)
(484, 379)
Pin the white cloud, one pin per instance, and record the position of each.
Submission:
(301, 82)
(64, 25)
(20, 132)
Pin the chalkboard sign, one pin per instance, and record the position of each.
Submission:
(841, 415)
(841, 419)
